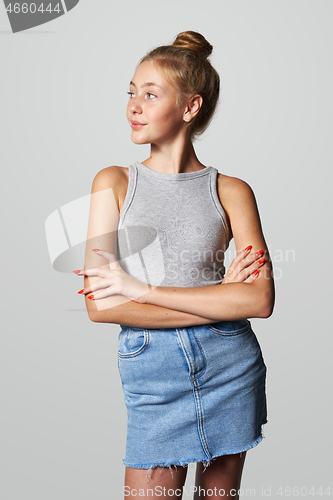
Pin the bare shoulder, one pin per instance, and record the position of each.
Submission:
(232, 189)
(236, 195)
(113, 177)
(237, 199)
(110, 177)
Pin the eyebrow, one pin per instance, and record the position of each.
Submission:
(147, 84)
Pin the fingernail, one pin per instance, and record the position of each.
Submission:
(261, 261)
(247, 248)
(90, 297)
(259, 253)
(81, 290)
(76, 272)
(95, 250)
(256, 272)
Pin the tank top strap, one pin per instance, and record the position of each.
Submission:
(216, 200)
(132, 182)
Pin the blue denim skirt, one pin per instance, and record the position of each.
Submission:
(192, 394)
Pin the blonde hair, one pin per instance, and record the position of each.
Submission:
(185, 63)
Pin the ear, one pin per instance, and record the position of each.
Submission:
(192, 108)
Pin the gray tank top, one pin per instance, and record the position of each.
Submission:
(172, 230)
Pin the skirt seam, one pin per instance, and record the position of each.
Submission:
(201, 430)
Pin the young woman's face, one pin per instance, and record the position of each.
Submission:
(152, 109)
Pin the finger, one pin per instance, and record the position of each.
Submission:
(107, 255)
(242, 259)
(243, 253)
(248, 260)
(98, 285)
(102, 294)
(252, 277)
(252, 268)
(253, 257)
(111, 257)
(258, 262)
(98, 271)
(247, 271)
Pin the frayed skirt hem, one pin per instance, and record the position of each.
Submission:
(185, 463)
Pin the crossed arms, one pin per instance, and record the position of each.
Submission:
(239, 296)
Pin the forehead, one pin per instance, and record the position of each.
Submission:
(148, 73)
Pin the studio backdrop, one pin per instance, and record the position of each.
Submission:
(65, 70)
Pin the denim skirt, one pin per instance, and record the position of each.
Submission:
(192, 394)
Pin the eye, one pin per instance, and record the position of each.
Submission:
(130, 94)
(150, 94)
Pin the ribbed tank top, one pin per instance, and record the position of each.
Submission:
(172, 230)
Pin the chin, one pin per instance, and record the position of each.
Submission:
(137, 140)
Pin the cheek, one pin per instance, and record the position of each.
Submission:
(166, 117)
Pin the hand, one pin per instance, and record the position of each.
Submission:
(245, 267)
(114, 281)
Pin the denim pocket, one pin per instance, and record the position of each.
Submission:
(230, 328)
(132, 342)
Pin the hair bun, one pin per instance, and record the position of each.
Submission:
(191, 40)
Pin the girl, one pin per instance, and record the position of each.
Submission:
(191, 366)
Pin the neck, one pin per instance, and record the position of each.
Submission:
(173, 158)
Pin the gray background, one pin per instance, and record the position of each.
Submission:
(63, 99)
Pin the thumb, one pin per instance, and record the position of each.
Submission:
(110, 257)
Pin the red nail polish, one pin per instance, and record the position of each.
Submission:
(90, 297)
(259, 253)
(261, 261)
(256, 272)
(95, 250)
(76, 272)
(247, 248)
(81, 290)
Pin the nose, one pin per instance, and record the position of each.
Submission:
(135, 105)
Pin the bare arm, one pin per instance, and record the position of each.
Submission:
(102, 233)
(220, 302)
(229, 301)
(132, 313)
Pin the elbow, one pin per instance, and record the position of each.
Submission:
(266, 312)
(92, 312)
(97, 316)
(92, 316)
(267, 306)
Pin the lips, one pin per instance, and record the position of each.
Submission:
(137, 125)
